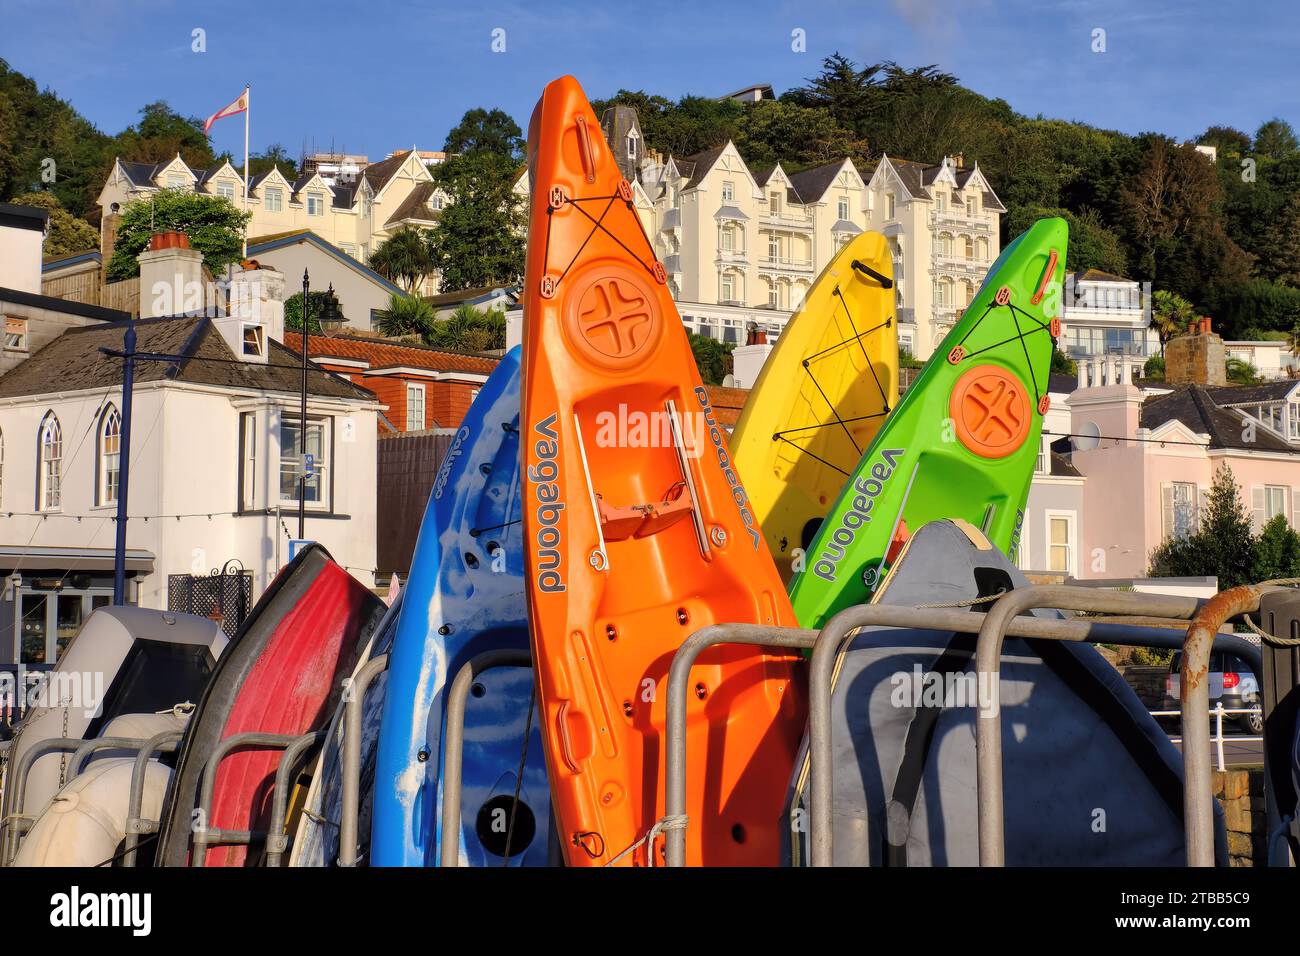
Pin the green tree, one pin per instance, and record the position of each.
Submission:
(469, 329)
(487, 131)
(1171, 315)
(772, 131)
(67, 234)
(1276, 140)
(404, 257)
(162, 134)
(214, 225)
(1154, 368)
(274, 156)
(1241, 372)
(405, 315)
(1062, 364)
(1222, 544)
(842, 90)
(479, 240)
(320, 302)
(1277, 552)
(711, 358)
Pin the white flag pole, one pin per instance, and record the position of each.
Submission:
(248, 105)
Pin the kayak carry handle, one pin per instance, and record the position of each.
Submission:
(866, 270)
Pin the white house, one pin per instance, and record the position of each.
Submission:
(215, 456)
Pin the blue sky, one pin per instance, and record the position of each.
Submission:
(377, 76)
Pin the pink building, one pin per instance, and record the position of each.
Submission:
(1151, 453)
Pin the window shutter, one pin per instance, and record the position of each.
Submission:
(1256, 508)
(1166, 511)
(1202, 493)
(1295, 507)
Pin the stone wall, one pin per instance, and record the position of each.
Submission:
(1199, 359)
(1147, 682)
(1241, 793)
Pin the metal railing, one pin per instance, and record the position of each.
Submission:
(17, 823)
(204, 836)
(1218, 713)
(1003, 619)
(453, 746)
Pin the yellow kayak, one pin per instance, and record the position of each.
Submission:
(822, 396)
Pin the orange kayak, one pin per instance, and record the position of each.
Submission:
(637, 533)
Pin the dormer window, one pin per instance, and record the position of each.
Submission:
(274, 199)
(254, 337)
(774, 203)
(973, 205)
(15, 335)
(176, 181)
(226, 189)
(315, 204)
(940, 201)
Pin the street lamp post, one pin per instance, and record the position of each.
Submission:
(302, 425)
(124, 465)
(330, 320)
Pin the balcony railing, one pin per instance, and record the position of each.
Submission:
(952, 263)
(736, 256)
(960, 221)
(785, 264)
(801, 220)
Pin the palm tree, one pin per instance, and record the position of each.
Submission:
(406, 315)
(452, 333)
(1171, 314)
(403, 258)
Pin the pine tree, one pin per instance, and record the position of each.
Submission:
(1223, 545)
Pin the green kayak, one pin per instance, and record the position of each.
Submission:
(963, 441)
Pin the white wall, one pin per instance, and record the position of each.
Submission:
(20, 258)
(184, 461)
(357, 294)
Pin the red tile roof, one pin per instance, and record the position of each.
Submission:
(384, 354)
(727, 403)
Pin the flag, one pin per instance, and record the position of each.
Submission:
(239, 106)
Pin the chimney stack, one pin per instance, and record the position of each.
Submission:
(1198, 358)
(171, 277)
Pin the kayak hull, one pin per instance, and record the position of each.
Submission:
(823, 394)
(637, 533)
(963, 441)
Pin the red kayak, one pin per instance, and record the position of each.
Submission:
(281, 675)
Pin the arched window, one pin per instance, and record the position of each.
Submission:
(109, 464)
(49, 491)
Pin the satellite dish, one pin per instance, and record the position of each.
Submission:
(1088, 437)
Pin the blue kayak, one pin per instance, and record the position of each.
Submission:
(465, 596)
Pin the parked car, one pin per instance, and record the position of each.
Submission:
(1232, 683)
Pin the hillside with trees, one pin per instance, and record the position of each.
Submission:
(1224, 236)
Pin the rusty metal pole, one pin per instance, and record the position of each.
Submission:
(1198, 787)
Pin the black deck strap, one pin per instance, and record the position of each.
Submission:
(998, 345)
(1029, 362)
(594, 229)
(475, 532)
(849, 341)
(976, 324)
(599, 226)
(866, 270)
(778, 435)
(831, 406)
(956, 657)
(1090, 689)
(865, 357)
(808, 428)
